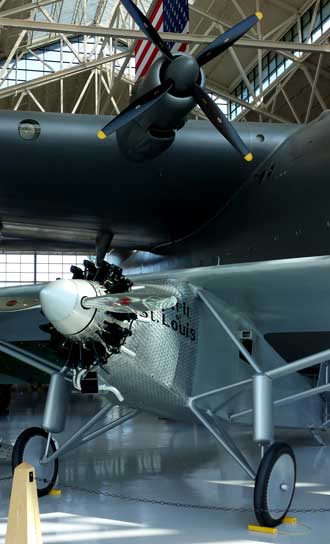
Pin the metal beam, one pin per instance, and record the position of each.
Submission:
(27, 7)
(206, 15)
(37, 103)
(284, 5)
(12, 54)
(288, 101)
(83, 92)
(251, 107)
(314, 87)
(259, 56)
(280, 29)
(43, 26)
(61, 74)
(316, 91)
(240, 68)
(28, 358)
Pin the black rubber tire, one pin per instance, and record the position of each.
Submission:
(263, 515)
(43, 487)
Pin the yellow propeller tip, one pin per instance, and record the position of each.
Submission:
(248, 157)
(260, 15)
(101, 135)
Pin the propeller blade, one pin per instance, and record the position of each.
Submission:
(141, 300)
(220, 121)
(227, 39)
(145, 25)
(23, 297)
(135, 109)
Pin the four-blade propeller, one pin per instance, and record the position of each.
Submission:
(135, 109)
(175, 73)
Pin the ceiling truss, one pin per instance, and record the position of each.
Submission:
(96, 82)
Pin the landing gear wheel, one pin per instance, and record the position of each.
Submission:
(275, 484)
(30, 447)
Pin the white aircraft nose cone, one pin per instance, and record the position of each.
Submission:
(61, 304)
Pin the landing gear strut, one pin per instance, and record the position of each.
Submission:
(36, 445)
(275, 479)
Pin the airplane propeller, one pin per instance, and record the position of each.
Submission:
(91, 315)
(135, 109)
(145, 25)
(182, 75)
(145, 300)
(122, 297)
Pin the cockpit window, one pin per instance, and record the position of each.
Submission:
(29, 129)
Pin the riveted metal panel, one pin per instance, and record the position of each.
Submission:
(165, 342)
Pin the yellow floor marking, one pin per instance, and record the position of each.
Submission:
(55, 492)
(291, 521)
(259, 529)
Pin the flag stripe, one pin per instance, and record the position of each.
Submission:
(147, 45)
(152, 52)
(169, 16)
(181, 47)
(157, 12)
(150, 61)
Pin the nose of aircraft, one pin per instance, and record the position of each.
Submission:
(61, 304)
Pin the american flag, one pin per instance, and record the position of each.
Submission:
(167, 16)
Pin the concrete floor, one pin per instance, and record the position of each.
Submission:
(152, 459)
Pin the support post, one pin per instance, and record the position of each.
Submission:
(24, 518)
(103, 243)
(263, 425)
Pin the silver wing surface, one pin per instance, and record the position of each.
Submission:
(21, 297)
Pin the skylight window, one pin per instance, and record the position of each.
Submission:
(275, 64)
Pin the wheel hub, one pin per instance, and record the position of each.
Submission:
(281, 484)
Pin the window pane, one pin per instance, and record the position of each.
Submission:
(27, 267)
(42, 259)
(27, 258)
(56, 268)
(13, 267)
(27, 277)
(53, 276)
(69, 259)
(42, 276)
(13, 258)
(13, 277)
(42, 268)
(55, 259)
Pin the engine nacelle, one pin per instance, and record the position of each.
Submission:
(86, 336)
(154, 131)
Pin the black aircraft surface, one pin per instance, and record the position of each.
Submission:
(184, 329)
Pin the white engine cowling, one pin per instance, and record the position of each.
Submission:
(61, 304)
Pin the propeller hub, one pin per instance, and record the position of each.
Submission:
(184, 72)
(61, 304)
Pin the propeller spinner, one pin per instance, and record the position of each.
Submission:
(182, 77)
